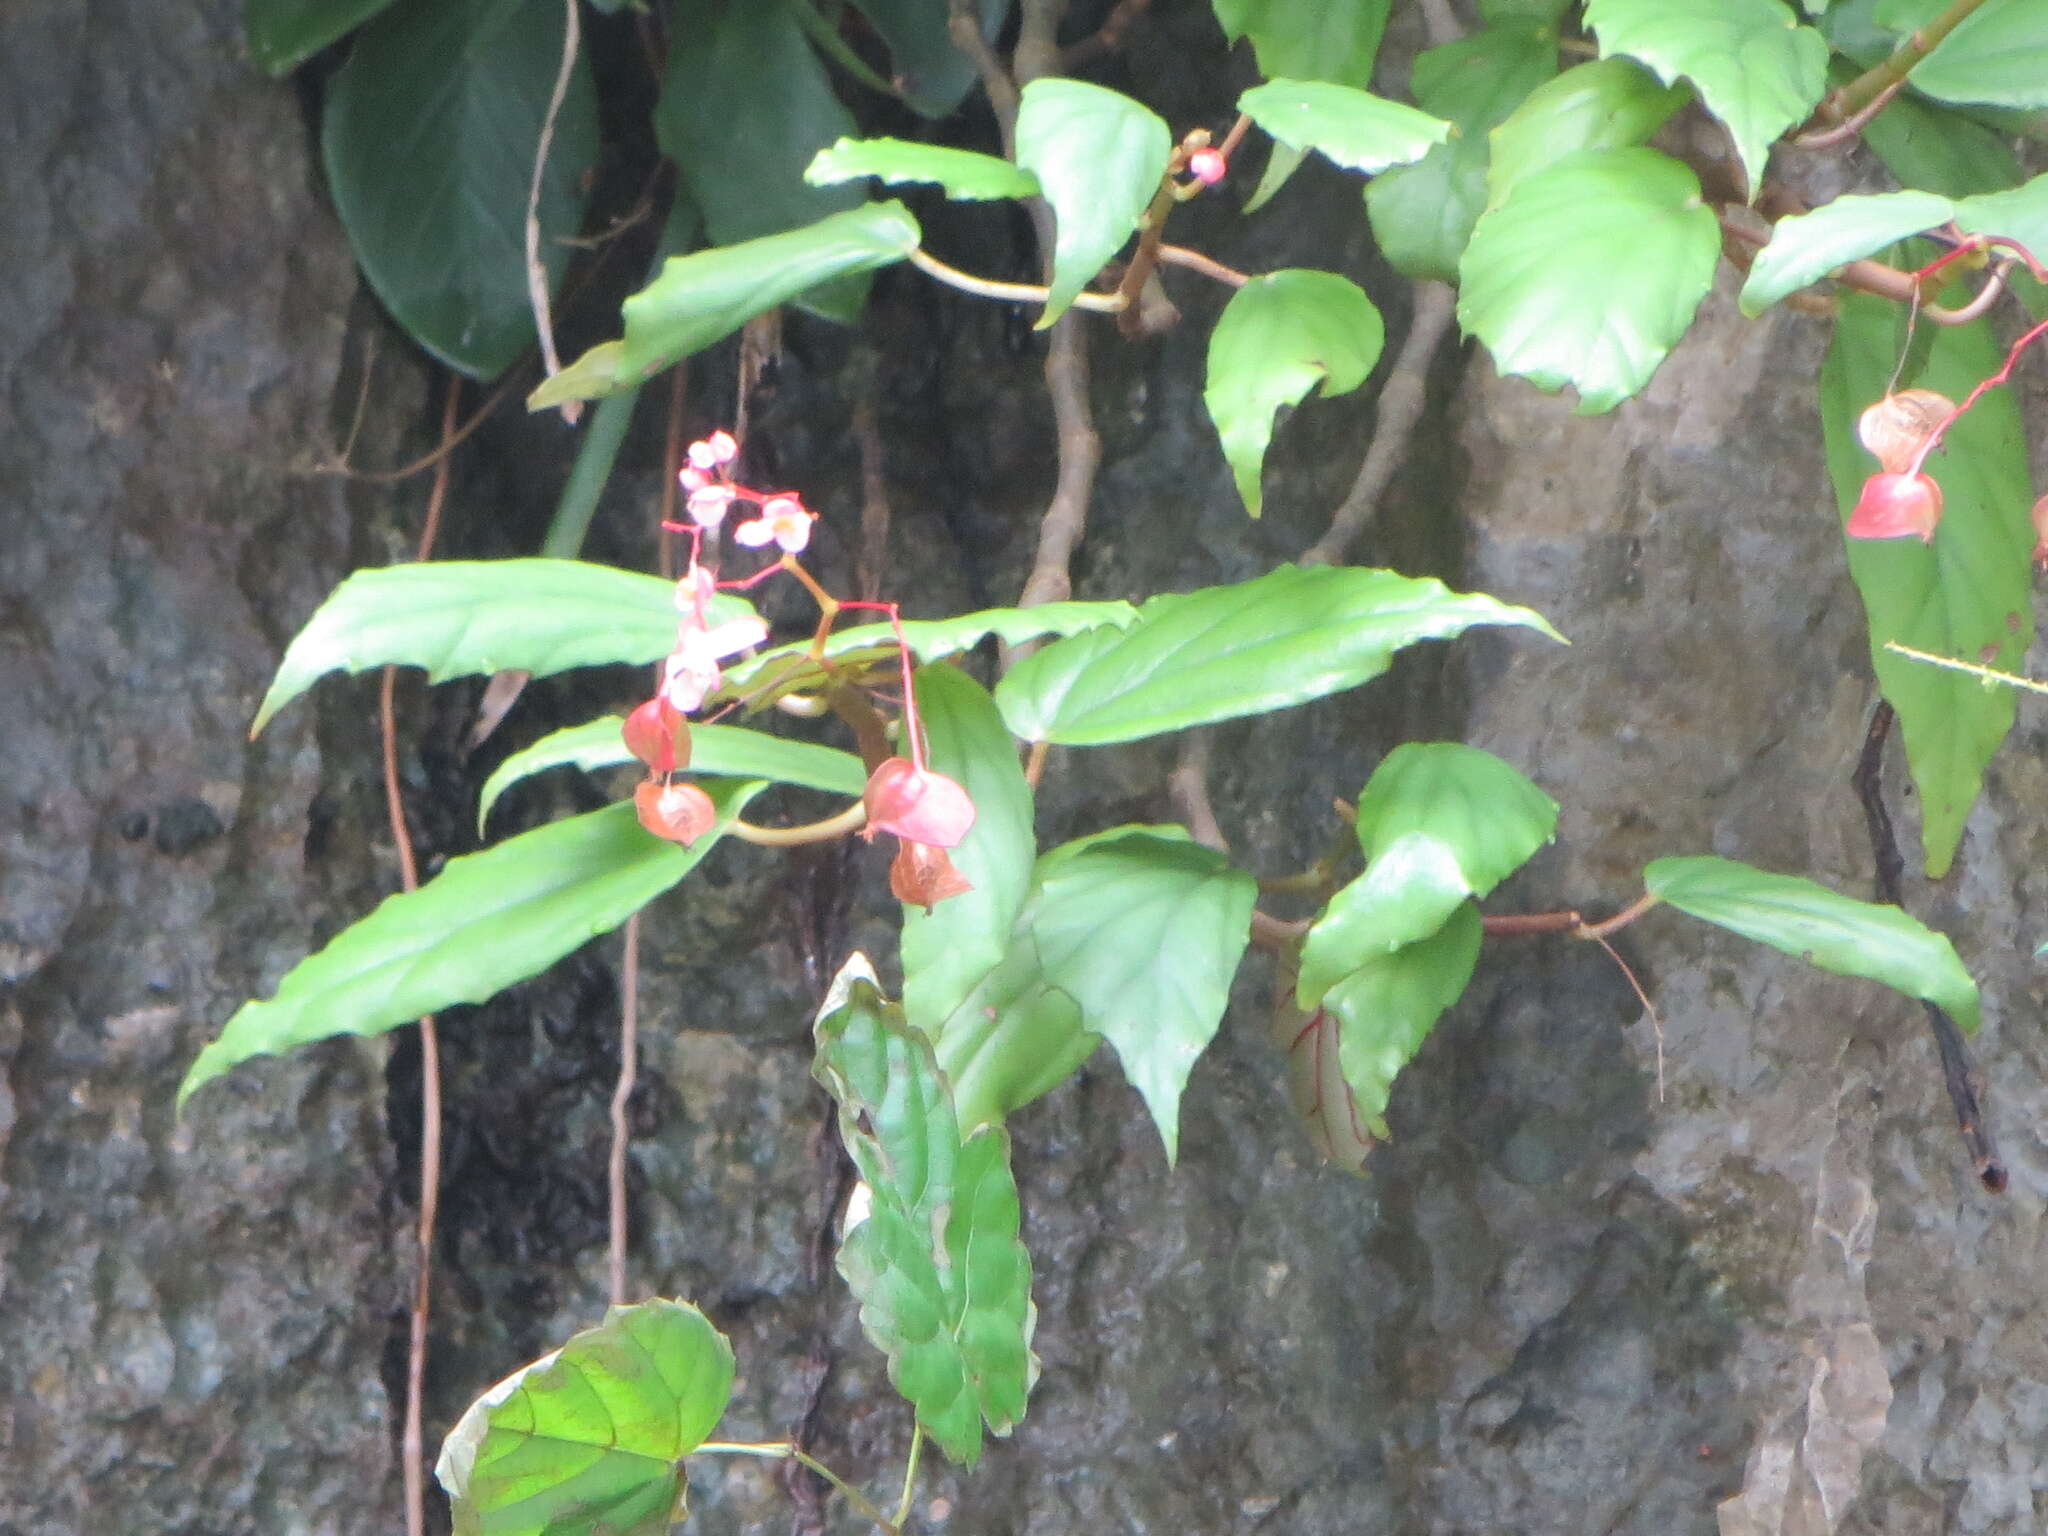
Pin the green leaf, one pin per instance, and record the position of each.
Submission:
(1309, 39)
(948, 950)
(1013, 1039)
(1544, 11)
(1969, 593)
(944, 1283)
(1099, 157)
(786, 668)
(461, 618)
(932, 74)
(1281, 163)
(1996, 55)
(1754, 66)
(1544, 290)
(725, 750)
(1604, 104)
(282, 34)
(1812, 923)
(428, 135)
(1284, 638)
(1931, 147)
(485, 921)
(590, 1439)
(1348, 126)
(1386, 1008)
(1279, 337)
(1422, 214)
(962, 172)
(2020, 214)
(590, 377)
(1804, 249)
(745, 104)
(1143, 928)
(1407, 893)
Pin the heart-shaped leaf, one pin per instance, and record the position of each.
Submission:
(1350, 127)
(1309, 39)
(1386, 1008)
(589, 1440)
(1967, 594)
(1099, 157)
(485, 921)
(1804, 249)
(1279, 337)
(1754, 66)
(1603, 104)
(1812, 923)
(1542, 287)
(460, 618)
(962, 172)
(1997, 55)
(282, 34)
(1284, 638)
(724, 750)
(1422, 214)
(943, 1281)
(439, 227)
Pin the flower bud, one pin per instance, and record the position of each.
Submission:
(921, 875)
(1897, 426)
(1894, 505)
(657, 734)
(681, 813)
(1208, 166)
(917, 805)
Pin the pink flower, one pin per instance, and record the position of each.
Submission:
(1894, 506)
(783, 520)
(917, 805)
(708, 503)
(657, 734)
(681, 813)
(714, 452)
(691, 673)
(921, 875)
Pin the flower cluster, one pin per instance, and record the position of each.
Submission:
(709, 491)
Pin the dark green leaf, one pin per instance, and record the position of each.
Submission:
(1422, 214)
(1804, 249)
(1969, 593)
(429, 134)
(1285, 638)
(283, 34)
(932, 74)
(962, 172)
(1309, 39)
(485, 921)
(724, 750)
(1542, 287)
(1604, 104)
(1834, 932)
(1386, 1008)
(1279, 337)
(944, 1283)
(1753, 65)
(1997, 55)
(948, 950)
(1937, 150)
(1099, 157)
(460, 618)
(1348, 126)
(589, 1440)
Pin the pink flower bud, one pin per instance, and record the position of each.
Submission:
(917, 805)
(708, 504)
(657, 734)
(1894, 506)
(1207, 166)
(681, 813)
(922, 876)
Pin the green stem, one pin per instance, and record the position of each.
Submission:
(782, 1450)
(1874, 82)
(590, 473)
(1987, 674)
(910, 1472)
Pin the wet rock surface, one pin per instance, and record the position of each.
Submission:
(1768, 1298)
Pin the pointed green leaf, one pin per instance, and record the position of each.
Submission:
(726, 750)
(1804, 249)
(932, 74)
(460, 618)
(1812, 923)
(947, 950)
(943, 1281)
(1279, 337)
(1347, 126)
(428, 134)
(1407, 893)
(1754, 66)
(1193, 658)
(1604, 104)
(1422, 214)
(1309, 39)
(485, 921)
(590, 1439)
(1530, 291)
(962, 172)
(1997, 55)
(1386, 1008)
(1282, 162)
(1099, 157)
(1967, 594)
(282, 34)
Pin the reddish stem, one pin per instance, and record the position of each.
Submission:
(2004, 373)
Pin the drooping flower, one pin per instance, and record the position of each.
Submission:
(1897, 427)
(784, 520)
(658, 735)
(692, 674)
(921, 875)
(1894, 506)
(681, 813)
(707, 502)
(917, 805)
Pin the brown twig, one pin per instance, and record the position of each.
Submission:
(1195, 261)
(536, 269)
(622, 1095)
(1865, 275)
(963, 23)
(1850, 127)
(1106, 38)
(412, 1445)
(873, 557)
(426, 461)
(1188, 785)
